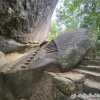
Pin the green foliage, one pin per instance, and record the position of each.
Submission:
(81, 13)
(53, 31)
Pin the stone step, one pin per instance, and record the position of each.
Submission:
(89, 74)
(92, 82)
(83, 85)
(98, 58)
(94, 99)
(94, 62)
(72, 75)
(90, 68)
(91, 86)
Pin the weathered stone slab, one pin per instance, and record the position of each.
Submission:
(66, 86)
(8, 45)
(26, 21)
(65, 51)
(91, 86)
(90, 68)
(90, 62)
(5, 93)
(78, 42)
(56, 85)
(82, 84)
(62, 53)
(89, 74)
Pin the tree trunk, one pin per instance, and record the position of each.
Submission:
(26, 21)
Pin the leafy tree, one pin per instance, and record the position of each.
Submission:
(53, 31)
(81, 13)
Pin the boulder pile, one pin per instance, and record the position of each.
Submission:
(56, 71)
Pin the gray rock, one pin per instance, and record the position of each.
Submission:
(72, 46)
(2, 59)
(67, 86)
(66, 50)
(8, 45)
(62, 53)
(5, 93)
(26, 21)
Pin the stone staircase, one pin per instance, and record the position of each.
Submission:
(92, 74)
(80, 83)
(91, 71)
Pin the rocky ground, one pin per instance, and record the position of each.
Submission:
(82, 83)
(47, 72)
(55, 71)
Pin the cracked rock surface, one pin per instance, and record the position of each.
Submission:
(49, 72)
(26, 21)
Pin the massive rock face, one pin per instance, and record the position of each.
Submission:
(81, 83)
(72, 46)
(65, 50)
(8, 45)
(62, 53)
(26, 21)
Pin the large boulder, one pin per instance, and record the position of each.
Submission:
(81, 83)
(62, 53)
(26, 21)
(66, 50)
(73, 46)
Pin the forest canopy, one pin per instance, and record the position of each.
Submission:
(78, 13)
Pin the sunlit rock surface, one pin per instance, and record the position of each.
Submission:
(26, 21)
(49, 72)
